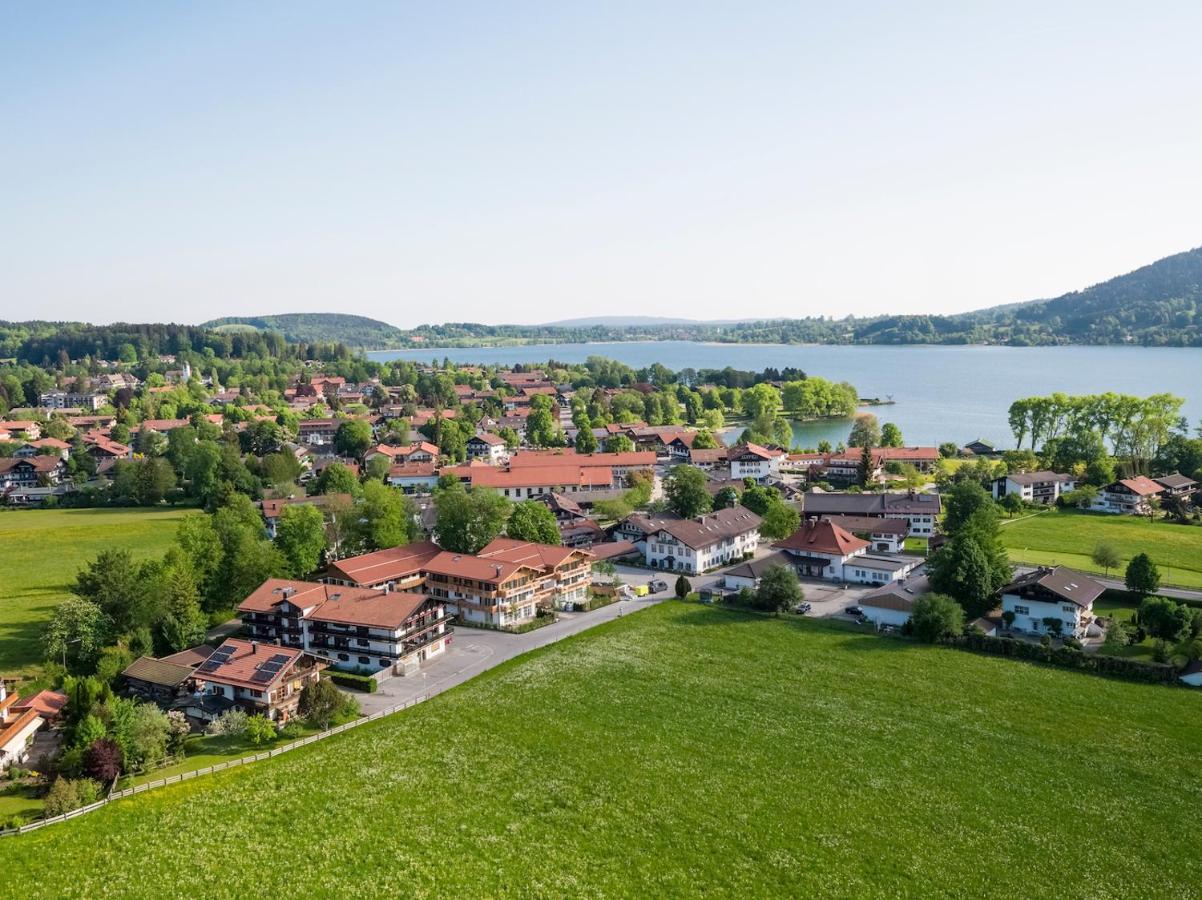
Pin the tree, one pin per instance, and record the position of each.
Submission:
(865, 469)
(542, 429)
(102, 760)
(891, 435)
(337, 479)
(385, 517)
(961, 570)
(533, 521)
(682, 587)
(114, 583)
(183, 624)
(1164, 619)
(466, 521)
(319, 701)
(260, 730)
(300, 536)
(780, 521)
(865, 432)
(1105, 556)
(586, 441)
(353, 438)
(618, 443)
(1142, 575)
(1008, 618)
(687, 494)
(705, 440)
(77, 631)
(936, 617)
(779, 589)
(725, 498)
(961, 502)
(1011, 503)
(948, 449)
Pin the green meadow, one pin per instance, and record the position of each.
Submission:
(681, 751)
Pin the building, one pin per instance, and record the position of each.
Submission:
(261, 679)
(167, 679)
(755, 461)
(1128, 496)
(697, 545)
(1049, 595)
(619, 464)
(919, 510)
(398, 567)
(273, 509)
(22, 427)
(480, 591)
(845, 466)
(422, 452)
(317, 432)
(892, 605)
(1177, 485)
(822, 549)
(981, 448)
(529, 481)
(748, 574)
(488, 447)
(565, 571)
(90, 400)
(370, 630)
(883, 535)
(414, 478)
(20, 721)
(31, 471)
(1034, 487)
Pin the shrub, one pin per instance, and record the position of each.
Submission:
(936, 617)
(260, 730)
(67, 794)
(232, 722)
(355, 681)
(102, 760)
(320, 702)
(291, 730)
(1116, 666)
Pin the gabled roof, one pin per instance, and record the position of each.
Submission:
(823, 536)
(384, 565)
(48, 704)
(465, 565)
(487, 437)
(1140, 485)
(710, 528)
(379, 609)
(249, 664)
(1044, 476)
(1067, 584)
(754, 568)
(157, 671)
(544, 556)
(871, 525)
(569, 457)
(757, 451)
(1176, 481)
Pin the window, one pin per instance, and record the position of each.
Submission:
(1069, 609)
(343, 657)
(363, 642)
(1022, 610)
(365, 660)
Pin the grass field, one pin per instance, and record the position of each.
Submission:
(1068, 537)
(41, 550)
(688, 750)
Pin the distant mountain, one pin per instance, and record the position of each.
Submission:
(354, 331)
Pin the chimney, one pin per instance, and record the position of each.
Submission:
(254, 646)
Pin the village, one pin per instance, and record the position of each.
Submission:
(613, 517)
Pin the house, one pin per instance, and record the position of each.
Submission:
(31, 471)
(261, 679)
(491, 448)
(414, 478)
(754, 461)
(272, 509)
(1177, 485)
(101, 447)
(488, 592)
(619, 464)
(21, 719)
(981, 448)
(164, 680)
(822, 549)
(1048, 595)
(919, 510)
(564, 570)
(400, 567)
(892, 604)
(377, 630)
(317, 432)
(697, 545)
(89, 400)
(27, 427)
(884, 535)
(36, 448)
(421, 452)
(709, 460)
(582, 533)
(748, 574)
(614, 550)
(1130, 496)
(1034, 487)
(533, 481)
(845, 466)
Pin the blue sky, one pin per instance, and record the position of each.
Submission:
(524, 162)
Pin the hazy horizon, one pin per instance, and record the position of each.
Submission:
(533, 163)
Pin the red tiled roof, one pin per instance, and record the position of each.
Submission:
(1141, 485)
(384, 565)
(823, 536)
(546, 556)
(48, 704)
(244, 662)
(464, 565)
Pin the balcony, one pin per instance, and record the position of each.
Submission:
(425, 639)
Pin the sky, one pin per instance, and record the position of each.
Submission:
(528, 162)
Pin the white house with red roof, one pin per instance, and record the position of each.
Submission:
(822, 549)
(1130, 496)
(260, 678)
(755, 461)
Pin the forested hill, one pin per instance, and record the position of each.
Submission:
(354, 331)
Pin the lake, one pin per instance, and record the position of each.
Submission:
(941, 393)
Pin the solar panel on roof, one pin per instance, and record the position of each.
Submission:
(271, 667)
(209, 666)
(262, 677)
(280, 658)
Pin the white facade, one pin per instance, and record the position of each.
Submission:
(752, 466)
(663, 550)
(879, 616)
(1029, 615)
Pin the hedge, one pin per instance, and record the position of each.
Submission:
(354, 681)
(1068, 658)
(1132, 599)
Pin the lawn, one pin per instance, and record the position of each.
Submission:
(687, 750)
(202, 750)
(1068, 537)
(43, 549)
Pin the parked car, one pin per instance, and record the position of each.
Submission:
(655, 585)
(640, 590)
(802, 608)
(854, 611)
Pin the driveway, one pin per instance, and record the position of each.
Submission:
(476, 650)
